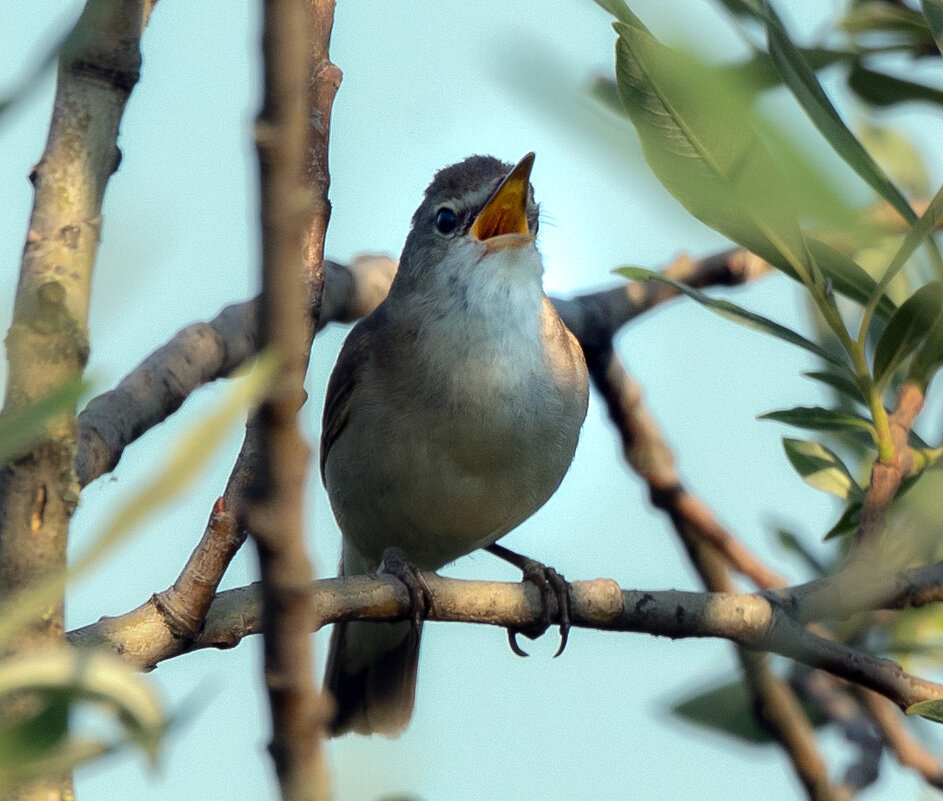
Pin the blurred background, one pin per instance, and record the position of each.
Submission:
(426, 84)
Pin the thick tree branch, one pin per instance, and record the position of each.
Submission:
(204, 352)
(47, 343)
(747, 619)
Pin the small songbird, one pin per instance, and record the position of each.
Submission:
(451, 416)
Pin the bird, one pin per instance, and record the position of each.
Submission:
(452, 414)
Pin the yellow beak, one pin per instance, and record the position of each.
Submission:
(502, 223)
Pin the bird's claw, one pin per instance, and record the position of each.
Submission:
(552, 586)
(394, 562)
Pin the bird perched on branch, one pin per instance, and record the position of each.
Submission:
(451, 416)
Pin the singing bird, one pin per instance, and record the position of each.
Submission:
(451, 416)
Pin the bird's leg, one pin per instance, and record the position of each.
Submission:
(394, 562)
(550, 584)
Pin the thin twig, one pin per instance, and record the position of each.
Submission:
(832, 701)
(711, 548)
(909, 751)
(886, 476)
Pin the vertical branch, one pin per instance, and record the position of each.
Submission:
(294, 217)
(47, 343)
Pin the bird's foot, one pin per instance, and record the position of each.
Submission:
(394, 562)
(551, 585)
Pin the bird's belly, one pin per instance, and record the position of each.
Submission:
(447, 491)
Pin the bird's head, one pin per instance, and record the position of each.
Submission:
(477, 222)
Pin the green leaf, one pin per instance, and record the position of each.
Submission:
(20, 428)
(621, 12)
(815, 418)
(696, 135)
(848, 521)
(819, 467)
(839, 382)
(60, 678)
(760, 73)
(733, 312)
(896, 153)
(929, 356)
(790, 542)
(907, 329)
(915, 237)
(847, 277)
(882, 90)
(606, 92)
(931, 710)
(90, 675)
(933, 13)
(728, 708)
(801, 80)
(889, 19)
(33, 81)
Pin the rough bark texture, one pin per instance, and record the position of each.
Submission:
(47, 344)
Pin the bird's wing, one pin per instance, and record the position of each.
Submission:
(343, 384)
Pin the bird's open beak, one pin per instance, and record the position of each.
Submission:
(502, 223)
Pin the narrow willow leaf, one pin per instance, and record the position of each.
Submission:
(894, 150)
(847, 523)
(929, 356)
(907, 329)
(882, 90)
(22, 427)
(30, 83)
(800, 78)
(933, 13)
(790, 542)
(729, 708)
(819, 467)
(886, 18)
(90, 676)
(696, 135)
(743, 8)
(931, 710)
(606, 92)
(816, 418)
(759, 72)
(733, 312)
(916, 236)
(851, 517)
(847, 277)
(839, 382)
(621, 12)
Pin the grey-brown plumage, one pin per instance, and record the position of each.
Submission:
(451, 416)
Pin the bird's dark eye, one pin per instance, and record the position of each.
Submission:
(445, 220)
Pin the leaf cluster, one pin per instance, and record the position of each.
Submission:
(731, 168)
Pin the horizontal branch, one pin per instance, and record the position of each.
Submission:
(750, 620)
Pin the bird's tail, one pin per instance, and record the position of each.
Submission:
(371, 672)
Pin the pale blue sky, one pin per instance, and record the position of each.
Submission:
(426, 84)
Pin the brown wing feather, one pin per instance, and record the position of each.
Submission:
(343, 383)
